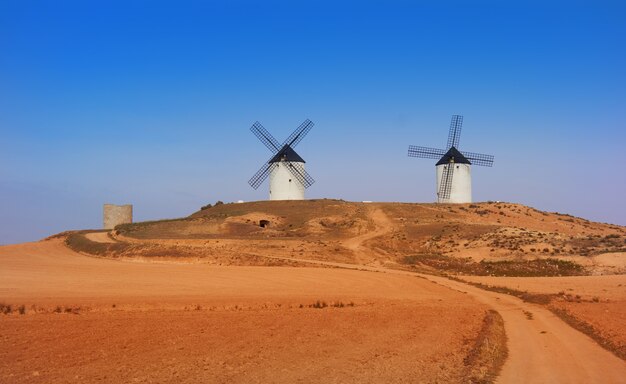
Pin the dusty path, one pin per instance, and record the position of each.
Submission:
(382, 225)
(100, 237)
(542, 348)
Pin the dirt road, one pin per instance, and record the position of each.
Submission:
(382, 225)
(542, 348)
(357, 244)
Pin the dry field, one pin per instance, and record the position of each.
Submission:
(330, 291)
(97, 320)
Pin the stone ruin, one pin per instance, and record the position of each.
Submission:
(117, 214)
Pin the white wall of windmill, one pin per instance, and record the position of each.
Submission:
(461, 191)
(283, 184)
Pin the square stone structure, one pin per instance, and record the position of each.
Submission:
(117, 214)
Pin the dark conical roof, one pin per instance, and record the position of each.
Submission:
(453, 156)
(286, 154)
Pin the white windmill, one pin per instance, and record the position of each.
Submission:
(288, 178)
(454, 178)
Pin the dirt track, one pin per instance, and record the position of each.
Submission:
(100, 237)
(382, 225)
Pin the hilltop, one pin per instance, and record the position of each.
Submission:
(350, 291)
(491, 238)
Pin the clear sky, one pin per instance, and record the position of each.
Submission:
(150, 103)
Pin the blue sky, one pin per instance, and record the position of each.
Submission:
(150, 103)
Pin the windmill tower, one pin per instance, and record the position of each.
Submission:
(288, 178)
(454, 177)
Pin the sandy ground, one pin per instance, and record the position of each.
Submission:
(612, 287)
(48, 272)
(600, 301)
(542, 348)
(377, 234)
(143, 322)
(146, 322)
(100, 237)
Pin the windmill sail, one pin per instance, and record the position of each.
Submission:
(454, 135)
(282, 154)
(265, 137)
(260, 176)
(451, 188)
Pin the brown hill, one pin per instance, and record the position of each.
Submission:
(367, 321)
(481, 239)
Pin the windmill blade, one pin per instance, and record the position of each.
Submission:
(454, 136)
(298, 171)
(446, 183)
(265, 137)
(425, 152)
(260, 176)
(299, 133)
(479, 159)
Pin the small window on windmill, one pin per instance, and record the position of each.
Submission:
(290, 180)
(264, 223)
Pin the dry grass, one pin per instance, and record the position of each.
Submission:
(517, 268)
(79, 243)
(292, 219)
(589, 330)
(536, 298)
(547, 300)
(485, 360)
(6, 308)
(510, 239)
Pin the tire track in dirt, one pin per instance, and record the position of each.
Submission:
(382, 226)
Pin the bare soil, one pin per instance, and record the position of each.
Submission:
(599, 302)
(99, 320)
(541, 346)
(324, 293)
(516, 240)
